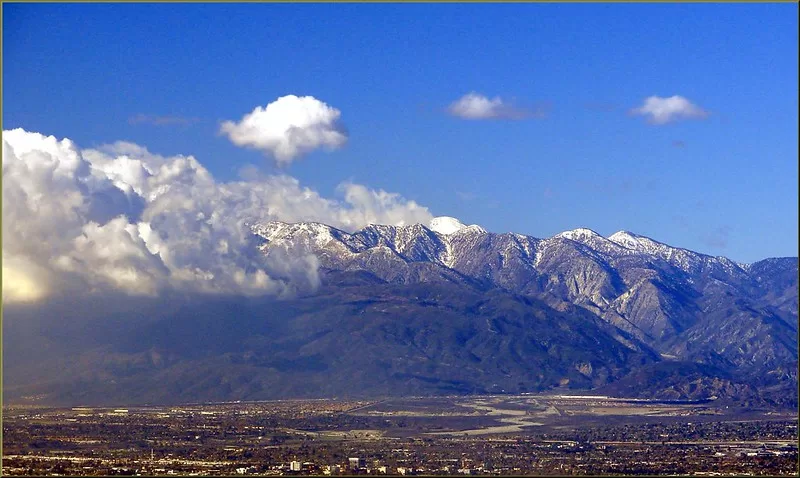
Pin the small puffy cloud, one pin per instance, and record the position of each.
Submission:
(120, 218)
(474, 106)
(288, 128)
(660, 110)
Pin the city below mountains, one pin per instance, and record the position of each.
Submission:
(443, 309)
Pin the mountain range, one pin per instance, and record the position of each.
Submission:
(446, 308)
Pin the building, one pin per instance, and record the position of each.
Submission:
(356, 463)
(295, 466)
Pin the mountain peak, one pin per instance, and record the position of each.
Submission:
(445, 225)
(627, 239)
(579, 234)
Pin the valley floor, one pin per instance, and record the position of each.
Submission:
(526, 434)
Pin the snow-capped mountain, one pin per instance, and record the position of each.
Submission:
(657, 293)
(507, 260)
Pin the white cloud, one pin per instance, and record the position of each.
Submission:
(474, 106)
(368, 206)
(288, 128)
(121, 218)
(666, 110)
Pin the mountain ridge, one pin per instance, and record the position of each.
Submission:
(627, 240)
(677, 302)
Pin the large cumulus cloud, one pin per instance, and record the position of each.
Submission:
(288, 128)
(118, 217)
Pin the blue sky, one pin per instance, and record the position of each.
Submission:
(725, 184)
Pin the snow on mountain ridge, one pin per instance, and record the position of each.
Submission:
(689, 261)
(277, 232)
(650, 246)
(445, 230)
(578, 232)
(625, 239)
(471, 228)
(445, 225)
